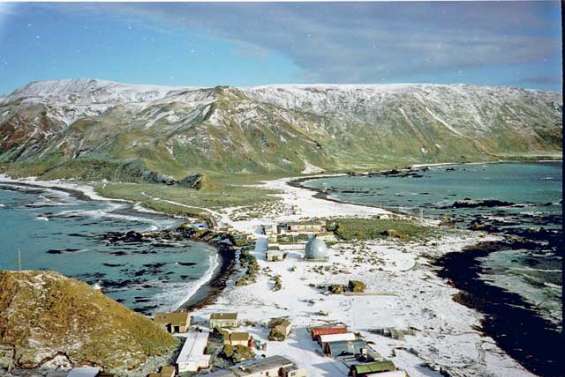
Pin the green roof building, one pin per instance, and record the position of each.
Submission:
(360, 370)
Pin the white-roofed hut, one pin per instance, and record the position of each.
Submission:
(192, 357)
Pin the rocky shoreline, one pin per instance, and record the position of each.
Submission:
(537, 343)
(513, 323)
(206, 293)
(223, 242)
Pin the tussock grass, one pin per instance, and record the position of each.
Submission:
(153, 196)
(374, 228)
(44, 313)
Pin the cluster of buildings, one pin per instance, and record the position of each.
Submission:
(312, 233)
(197, 353)
(353, 351)
(296, 231)
(194, 356)
(315, 250)
(337, 342)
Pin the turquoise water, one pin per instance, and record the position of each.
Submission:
(54, 230)
(533, 190)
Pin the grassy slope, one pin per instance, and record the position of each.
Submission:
(44, 313)
(225, 192)
(365, 229)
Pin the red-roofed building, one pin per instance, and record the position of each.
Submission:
(316, 332)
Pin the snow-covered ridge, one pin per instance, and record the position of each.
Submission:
(86, 92)
(93, 91)
(367, 100)
(70, 100)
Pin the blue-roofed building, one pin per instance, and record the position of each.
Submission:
(345, 347)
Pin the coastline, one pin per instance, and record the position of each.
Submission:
(209, 291)
(503, 311)
(258, 302)
(321, 194)
(541, 353)
(210, 285)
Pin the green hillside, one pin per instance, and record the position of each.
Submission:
(267, 130)
(48, 318)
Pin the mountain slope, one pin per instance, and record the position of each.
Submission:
(117, 131)
(53, 320)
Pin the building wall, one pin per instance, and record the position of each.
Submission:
(244, 343)
(274, 372)
(301, 372)
(193, 366)
(223, 323)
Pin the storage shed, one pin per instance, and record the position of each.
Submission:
(363, 370)
(223, 320)
(316, 332)
(238, 339)
(173, 322)
(275, 255)
(345, 348)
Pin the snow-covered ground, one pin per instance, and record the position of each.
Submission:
(403, 293)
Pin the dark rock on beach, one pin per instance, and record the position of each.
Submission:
(119, 253)
(513, 323)
(470, 203)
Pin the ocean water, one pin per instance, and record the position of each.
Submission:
(534, 212)
(55, 230)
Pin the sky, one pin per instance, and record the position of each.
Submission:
(246, 44)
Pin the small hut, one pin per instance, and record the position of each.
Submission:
(363, 370)
(238, 339)
(174, 322)
(223, 320)
(316, 332)
(274, 253)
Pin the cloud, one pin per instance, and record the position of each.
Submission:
(369, 42)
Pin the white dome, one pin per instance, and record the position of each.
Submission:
(316, 249)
